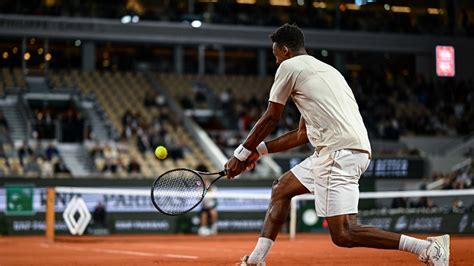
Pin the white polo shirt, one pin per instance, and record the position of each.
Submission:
(325, 101)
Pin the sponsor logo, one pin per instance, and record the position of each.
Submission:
(35, 225)
(401, 223)
(142, 225)
(77, 207)
(379, 222)
(432, 224)
(240, 224)
(463, 223)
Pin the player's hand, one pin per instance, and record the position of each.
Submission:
(253, 157)
(252, 161)
(234, 167)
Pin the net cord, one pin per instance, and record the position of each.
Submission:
(363, 195)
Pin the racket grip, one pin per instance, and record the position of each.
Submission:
(224, 173)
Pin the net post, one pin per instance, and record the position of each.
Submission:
(293, 218)
(50, 200)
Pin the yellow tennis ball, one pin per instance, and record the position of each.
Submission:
(161, 152)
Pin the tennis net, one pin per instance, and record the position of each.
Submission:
(88, 210)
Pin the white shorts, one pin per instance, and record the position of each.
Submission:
(334, 180)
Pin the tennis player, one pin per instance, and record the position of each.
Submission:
(331, 122)
(208, 214)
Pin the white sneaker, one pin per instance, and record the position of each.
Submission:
(244, 262)
(437, 254)
(214, 229)
(204, 231)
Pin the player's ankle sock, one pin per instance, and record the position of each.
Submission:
(261, 250)
(413, 245)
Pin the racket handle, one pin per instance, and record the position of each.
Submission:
(224, 173)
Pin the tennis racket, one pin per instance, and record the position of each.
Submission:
(178, 191)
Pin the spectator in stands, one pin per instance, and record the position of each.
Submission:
(134, 167)
(127, 124)
(110, 153)
(32, 167)
(464, 179)
(424, 203)
(4, 171)
(51, 151)
(61, 168)
(3, 123)
(176, 151)
(143, 141)
(136, 122)
(96, 151)
(457, 206)
(72, 126)
(110, 167)
(47, 168)
(25, 151)
(399, 203)
(44, 124)
(15, 168)
(38, 150)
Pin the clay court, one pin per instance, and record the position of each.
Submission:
(308, 249)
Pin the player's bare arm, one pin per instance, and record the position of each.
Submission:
(289, 140)
(264, 126)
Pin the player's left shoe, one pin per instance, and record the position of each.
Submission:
(437, 254)
(204, 231)
(244, 262)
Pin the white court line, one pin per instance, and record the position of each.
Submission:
(181, 256)
(101, 250)
(126, 252)
(228, 250)
(120, 251)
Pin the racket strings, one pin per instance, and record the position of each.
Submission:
(178, 191)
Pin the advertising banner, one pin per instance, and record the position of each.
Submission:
(378, 168)
(34, 200)
(454, 223)
(18, 199)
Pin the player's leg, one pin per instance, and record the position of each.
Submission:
(203, 217)
(346, 232)
(283, 189)
(213, 218)
(337, 196)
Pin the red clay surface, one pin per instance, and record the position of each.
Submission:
(225, 249)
